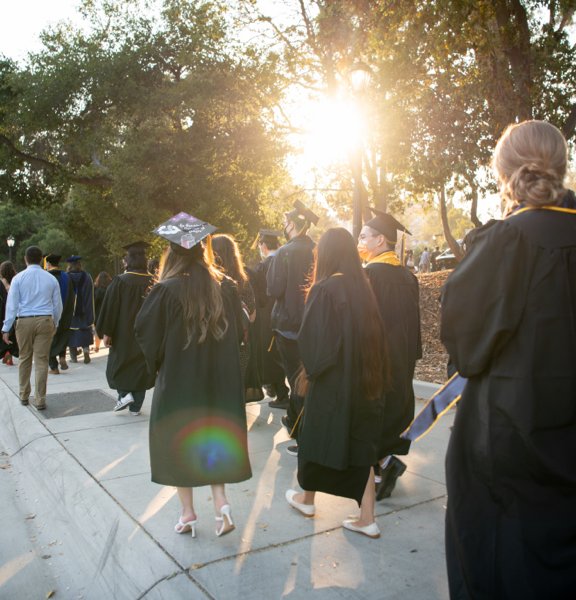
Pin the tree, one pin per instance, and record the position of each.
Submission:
(143, 116)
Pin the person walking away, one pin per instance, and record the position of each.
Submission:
(126, 369)
(7, 351)
(272, 373)
(60, 339)
(189, 329)
(343, 351)
(424, 263)
(286, 281)
(229, 261)
(35, 303)
(83, 315)
(397, 295)
(509, 325)
(101, 283)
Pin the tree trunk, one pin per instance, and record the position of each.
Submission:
(452, 243)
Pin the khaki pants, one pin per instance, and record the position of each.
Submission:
(34, 336)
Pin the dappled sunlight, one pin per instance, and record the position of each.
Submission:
(154, 506)
(346, 570)
(252, 414)
(116, 462)
(13, 567)
(264, 493)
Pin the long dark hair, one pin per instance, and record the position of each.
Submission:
(7, 271)
(201, 294)
(228, 258)
(337, 253)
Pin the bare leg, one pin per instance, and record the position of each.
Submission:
(367, 504)
(185, 495)
(305, 497)
(224, 523)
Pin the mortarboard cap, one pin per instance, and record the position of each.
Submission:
(184, 231)
(74, 258)
(139, 245)
(302, 213)
(53, 259)
(263, 234)
(386, 224)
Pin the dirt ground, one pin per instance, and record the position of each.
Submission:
(432, 366)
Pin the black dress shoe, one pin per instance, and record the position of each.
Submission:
(279, 403)
(390, 474)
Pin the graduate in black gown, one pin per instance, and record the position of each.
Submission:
(272, 373)
(509, 324)
(83, 315)
(343, 351)
(60, 340)
(126, 369)
(7, 351)
(397, 294)
(189, 329)
(287, 277)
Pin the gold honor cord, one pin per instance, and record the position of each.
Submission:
(439, 404)
(570, 211)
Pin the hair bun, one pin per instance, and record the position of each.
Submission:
(535, 185)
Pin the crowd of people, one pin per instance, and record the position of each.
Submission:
(331, 332)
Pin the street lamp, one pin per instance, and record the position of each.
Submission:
(10, 241)
(360, 76)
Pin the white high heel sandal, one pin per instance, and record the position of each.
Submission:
(186, 527)
(227, 525)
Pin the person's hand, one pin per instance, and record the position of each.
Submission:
(107, 341)
(6, 337)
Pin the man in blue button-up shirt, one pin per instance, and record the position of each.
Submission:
(34, 302)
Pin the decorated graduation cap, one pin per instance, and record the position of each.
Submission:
(52, 258)
(302, 215)
(386, 224)
(184, 231)
(265, 236)
(73, 259)
(139, 245)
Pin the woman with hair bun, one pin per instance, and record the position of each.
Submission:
(509, 324)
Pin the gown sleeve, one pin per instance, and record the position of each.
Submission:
(320, 335)
(108, 314)
(277, 276)
(151, 326)
(483, 299)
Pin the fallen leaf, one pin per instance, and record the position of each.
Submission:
(46, 556)
(30, 516)
(50, 593)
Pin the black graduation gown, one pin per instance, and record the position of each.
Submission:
(252, 379)
(126, 367)
(340, 427)
(83, 314)
(62, 335)
(509, 324)
(287, 279)
(397, 295)
(198, 433)
(271, 371)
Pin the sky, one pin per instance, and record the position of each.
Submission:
(23, 20)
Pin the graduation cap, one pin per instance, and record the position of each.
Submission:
(302, 214)
(386, 224)
(53, 259)
(184, 231)
(139, 245)
(271, 234)
(74, 258)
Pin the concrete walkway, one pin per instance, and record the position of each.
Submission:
(81, 519)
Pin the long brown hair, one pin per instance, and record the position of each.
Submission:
(228, 258)
(201, 294)
(337, 253)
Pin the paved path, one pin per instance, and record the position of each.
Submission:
(80, 517)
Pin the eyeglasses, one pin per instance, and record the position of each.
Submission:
(364, 236)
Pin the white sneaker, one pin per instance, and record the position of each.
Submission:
(134, 413)
(123, 402)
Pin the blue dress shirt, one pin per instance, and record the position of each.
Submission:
(33, 292)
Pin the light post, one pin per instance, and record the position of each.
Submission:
(10, 241)
(359, 79)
